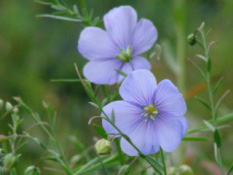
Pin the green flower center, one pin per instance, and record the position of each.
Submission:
(150, 112)
(126, 55)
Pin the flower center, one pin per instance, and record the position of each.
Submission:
(126, 55)
(150, 112)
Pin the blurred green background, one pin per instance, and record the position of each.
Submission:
(35, 50)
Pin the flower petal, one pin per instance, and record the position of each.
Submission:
(126, 116)
(170, 131)
(136, 63)
(144, 36)
(138, 87)
(144, 138)
(120, 23)
(167, 99)
(102, 72)
(95, 44)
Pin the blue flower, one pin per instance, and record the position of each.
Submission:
(118, 47)
(151, 115)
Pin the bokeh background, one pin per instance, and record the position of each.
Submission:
(33, 51)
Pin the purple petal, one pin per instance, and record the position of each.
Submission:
(102, 72)
(145, 35)
(167, 99)
(170, 131)
(136, 63)
(95, 44)
(138, 87)
(144, 137)
(126, 116)
(120, 23)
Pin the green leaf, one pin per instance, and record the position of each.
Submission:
(59, 17)
(208, 65)
(158, 167)
(122, 73)
(202, 57)
(217, 85)
(65, 80)
(51, 158)
(100, 131)
(203, 102)
(229, 171)
(195, 139)
(217, 138)
(209, 125)
(94, 104)
(113, 116)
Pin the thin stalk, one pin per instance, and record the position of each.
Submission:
(211, 99)
(121, 155)
(163, 161)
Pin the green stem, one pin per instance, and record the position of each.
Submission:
(211, 99)
(163, 161)
(121, 155)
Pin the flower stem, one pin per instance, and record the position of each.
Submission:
(163, 161)
(211, 99)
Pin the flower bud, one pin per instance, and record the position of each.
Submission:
(32, 170)
(185, 170)
(9, 161)
(124, 170)
(192, 39)
(3, 138)
(103, 147)
(1, 104)
(9, 106)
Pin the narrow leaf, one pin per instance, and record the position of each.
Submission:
(203, 102)
(122, 73)
(229, 171)
(202, 57)
(218, 85)
(156, 165)
(208, 65)
(94, 104)
(59, 17)
(195, 139)
(113, 116)
(65, 80)
(217, 139)
(209, 125)
(100, 131)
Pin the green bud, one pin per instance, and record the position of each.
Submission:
(103, 147)
(1, 104)
(185, 170)
(9, 161)
(124, 170)
(9, 106)
(3, 138)
(32, 170)
(192, 39)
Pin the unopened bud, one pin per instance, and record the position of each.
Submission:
(192, 39)
(103, 147)
(3, 138)
(32, 170)
(1, 104)
(9, 161)
(124, 170)
(9, 106)
(185, 170)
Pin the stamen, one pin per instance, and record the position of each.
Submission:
(150, 112)
(126, 55)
